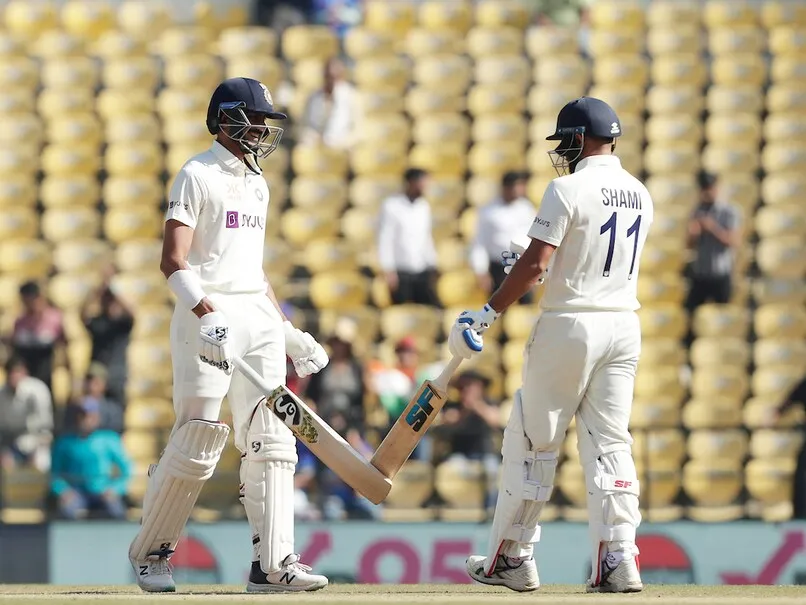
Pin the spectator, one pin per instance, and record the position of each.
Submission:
(564, 13)
(109, 321)
(304, 483)
(90, 469)
(26, 418)
(38, 333)
(406, 251)
(506, 218)
(713, 233)
(331, 113)
(339, 387)
(339, 15)
(797, 396)
(95, 395)
(340, 500)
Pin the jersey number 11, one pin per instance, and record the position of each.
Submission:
(610, 226)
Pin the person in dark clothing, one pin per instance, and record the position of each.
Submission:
(38, 333)
(110, 328)
(797, 396)
(339, 387)
(95, 391)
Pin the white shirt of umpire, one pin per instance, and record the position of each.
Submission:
(498, 224)
(226, 205)
(405, 239)
(599, 218)
(332, 119)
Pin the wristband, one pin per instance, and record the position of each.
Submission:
(187, 287)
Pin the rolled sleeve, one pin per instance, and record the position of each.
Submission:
(553, 217)
(186, 198)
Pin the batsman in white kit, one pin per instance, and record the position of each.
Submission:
(580, 359)
(213, 260)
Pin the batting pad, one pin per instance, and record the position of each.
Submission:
(173, 488)
(527, 480)
(267, 478)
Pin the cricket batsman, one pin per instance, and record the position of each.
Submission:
(212, 257)
(580, 359)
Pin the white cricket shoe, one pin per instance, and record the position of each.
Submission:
(618, 572)
(154, 574)
(520, 578)
(293, 576)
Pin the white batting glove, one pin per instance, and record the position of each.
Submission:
(465, 339)
(511, 256)
(214, 345)
(308, 355)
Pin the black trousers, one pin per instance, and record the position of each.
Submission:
(497, 274)
(799, 491)
(717, 289)
(418, 288)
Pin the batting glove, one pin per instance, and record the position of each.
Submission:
(511, 256)
(214, 346)
(308, 355)
(465, 339)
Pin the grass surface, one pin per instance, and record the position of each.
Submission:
(435, 594)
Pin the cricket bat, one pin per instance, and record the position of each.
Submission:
(412, 424)
(319, 437)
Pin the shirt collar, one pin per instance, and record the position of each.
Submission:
(230, 163)
(598, 160)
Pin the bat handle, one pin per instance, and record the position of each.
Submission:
(247, 370)
(441, 381)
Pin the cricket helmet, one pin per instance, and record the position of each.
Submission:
(586, 116)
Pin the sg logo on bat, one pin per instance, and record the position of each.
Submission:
(420, 411)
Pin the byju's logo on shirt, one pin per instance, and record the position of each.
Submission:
(236, 220)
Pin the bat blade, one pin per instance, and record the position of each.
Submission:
(409, 428)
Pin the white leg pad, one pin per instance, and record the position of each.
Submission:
(613, 491)
(174, 484)
(267, 490)
(527, 481)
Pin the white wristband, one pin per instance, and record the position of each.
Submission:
(185, 284)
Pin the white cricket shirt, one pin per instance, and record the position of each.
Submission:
(598, 217)
(498, 224)
(405, 239)
(225, 204)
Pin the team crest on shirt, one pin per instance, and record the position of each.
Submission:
(259, 195)
(266, 94)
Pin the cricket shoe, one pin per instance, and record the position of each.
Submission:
(154, 574)
(292, 576)
(618, 572)
(520, 577)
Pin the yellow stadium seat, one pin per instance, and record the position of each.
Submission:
(605, 44)
(446, 160)
(152, 321)
(683, 69)
(27, 20)
(776, 381)
(623, 70)
(671, 158)
(390, 72)
(446, 192)
(617, 15)
(123, 223)
(457, 286)
(21, 130)
(25, 258)
(146, 191)
(60, 224)
(781, 257)
(730, 40)
(779, 126)
(87, 20)
(719, 13)
(780, 320)
(18, 161)
(546, 101)
(319, 193)
(667, 321)
(651, 382)
(359, 225)
(300, 226)
(64, 160)
(775, 443)
(10, 46)
(416, 483)
(437, 15)
(725, 158)
(717, 320)
(374, 158)
(187, 101)
(150, 357)
(138, 255)
(726, 128)
(177, 41)
(769, 480)
(655, 413)
(671, 98)
(370, 191)
(113, 103)
(421, 43)
(481, 190)
(628, 99)
(682, 39)
(361, 42)
(69, 72)
(662, 351)
(497, 13)
(667, 190)
(308, 42)
(57, 43)
(19, 73)
(739, 69)
(114, 44)
(781, 12)
(778, 351)
(142, 287)
(135, 158)
(668, 288)
(149, 414)
(182, 131)
(69, 291)
(731, 99)
(19, 191)
(495, 99)
(16, 101)
(788, 68)
(503, 69)
(779, 290)
(451, 254)
(664, 128)
(519, 321)
(712, 482)
(488, 42)
(308, 74)
(81, 255)
(9, 298)
(493, 159)
(714, 381)
(401, 320)
(54, 103)
(725, 444)
(268, 70)
(762, 412)
(329, 255)
(719, 349)
(781, 220)
(713, 413)
(562, 69)
(198, 70)
(319, 161)
(396, 18)
(75, 128)
(385, 128)
(786, 98)
(542, 42)
(339, 289)
(18, 223)
(24, 488)
(784, 157)
(661, 447)
(420, 100)
(143, 20)
(787, 40)
(235, 42)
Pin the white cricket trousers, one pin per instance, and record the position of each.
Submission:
(581, 362)
(256, 335)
